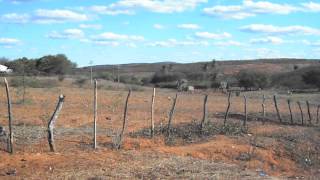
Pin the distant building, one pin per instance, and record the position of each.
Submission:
(5, 69)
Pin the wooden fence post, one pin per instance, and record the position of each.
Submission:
(52, 121)
(290, 111)
(301, 112)
(204, 116)
(152, 112)
(124, 124)
(227, 111)
(171, 115)
(309, 113)
(318, 107)
(263, 108)
(245, 112)
(277, 109)
(10, 140)
(95, 106)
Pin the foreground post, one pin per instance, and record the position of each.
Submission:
(10, 140)
(245, 112)
(124, 124)
(152, 112)
(301, 112)
(263, 108)
(277, 109)
(204, 116)
(318, 107)
(52, 121)
(227, 111)
(95, 106)
(171, 115)
(290, 111)
(309, 113)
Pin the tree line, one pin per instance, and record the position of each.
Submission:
(47, 65)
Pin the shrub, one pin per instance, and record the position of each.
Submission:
(251, 79)
(126, 79)
(103, 75)
(80, 82)
(33, 82)
(312, 77)
(167, 77)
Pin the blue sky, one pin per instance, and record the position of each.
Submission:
(135, 31)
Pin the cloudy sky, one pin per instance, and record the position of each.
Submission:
(131, 31)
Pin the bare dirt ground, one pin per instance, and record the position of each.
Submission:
(264, 151)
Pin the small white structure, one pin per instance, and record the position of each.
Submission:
(5, 69)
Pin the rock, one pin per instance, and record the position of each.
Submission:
(11, 172)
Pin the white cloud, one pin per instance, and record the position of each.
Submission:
(159, 6)
(106, 10)
(9, 42)
(315, 44)
(207, 35)
(57, 16)
(270, 29)
(91, 26)
(228, 43)
(110, 36)
(158, 26)
(267, 40)
(188, 26)
(175, 43)
(249, 8)
(15, 18)
(67, 34)
(311, 6)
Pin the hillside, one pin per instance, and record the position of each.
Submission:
(270, 66)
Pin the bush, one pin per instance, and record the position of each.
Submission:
(33, 82)
(103, 75)
(312, 77)
(167, 77)
(80, 82)
(251, 79)
(126, 79)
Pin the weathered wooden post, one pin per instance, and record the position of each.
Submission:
(124, 124)
(263, 109)
(309, 113)
(52, 121)
(318, 107)
(152, 112)
(95, 106)
(277, 109)
(204, 116)
(171, 115)
(227, 111)
(10, 140)
(245, 111)
(301, 112)
(290, 111)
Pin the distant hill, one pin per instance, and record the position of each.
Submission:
(231, 67)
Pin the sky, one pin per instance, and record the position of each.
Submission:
(145, 31)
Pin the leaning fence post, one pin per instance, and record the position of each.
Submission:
(290, 111)
(171, 115)
(301, 112)
(10, 140)
(152, 112)
(204, 116)
(263, 108)
(245, 112)
(124, 124)
(52, 121)
(227, 111)
(318, 107)
(95, 106)
(309, 113)
(277, 109)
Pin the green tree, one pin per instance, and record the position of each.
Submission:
(58, 64)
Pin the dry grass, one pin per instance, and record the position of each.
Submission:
(217, 153)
